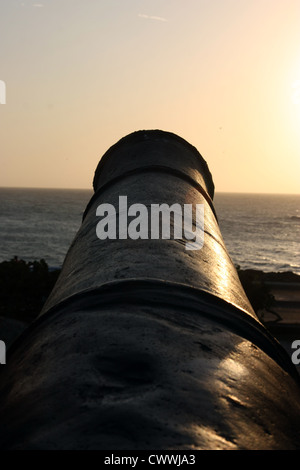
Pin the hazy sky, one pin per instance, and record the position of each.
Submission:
(81, 74)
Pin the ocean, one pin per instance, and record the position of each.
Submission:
(261, 231)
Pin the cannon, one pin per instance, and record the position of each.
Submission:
(148, 341)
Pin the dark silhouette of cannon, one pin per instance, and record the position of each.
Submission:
(144, 344)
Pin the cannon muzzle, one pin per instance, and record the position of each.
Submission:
(148, 340)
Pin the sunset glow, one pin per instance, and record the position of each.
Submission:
(222, 74)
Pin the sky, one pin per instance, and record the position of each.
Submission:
(81, 74)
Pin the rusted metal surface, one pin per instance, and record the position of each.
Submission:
(146, 345)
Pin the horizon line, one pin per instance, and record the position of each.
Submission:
(92, 190)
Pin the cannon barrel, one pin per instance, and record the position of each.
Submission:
(146, 341)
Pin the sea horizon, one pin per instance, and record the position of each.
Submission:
(91, 189)
(260, 230)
